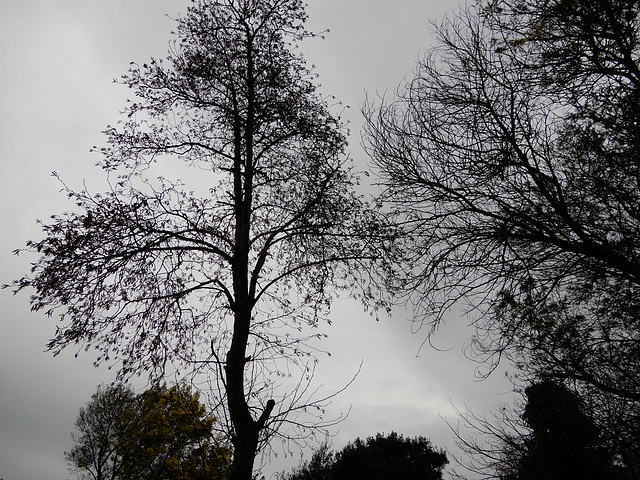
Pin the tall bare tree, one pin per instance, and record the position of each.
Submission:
(236, 269)
(511, 159)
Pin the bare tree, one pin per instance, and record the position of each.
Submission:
(99, 428)
(510, 160)
(490, 445)
(236, 266)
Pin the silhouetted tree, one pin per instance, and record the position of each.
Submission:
(99, 427)
(232, 270)
(162, 433)
(553, 434)
(318, 468)
(511, 160)
(376, 458)
(564, 442)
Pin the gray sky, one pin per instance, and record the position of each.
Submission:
(57, 60)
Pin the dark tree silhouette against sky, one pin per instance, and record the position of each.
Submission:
(511, 160)
(230, 268)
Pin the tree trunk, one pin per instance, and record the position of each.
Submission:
(245, 447)
(246, 430)
(244, 433)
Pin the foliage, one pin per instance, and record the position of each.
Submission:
(511, 162)
(234, 267)
(564, 442)
(162, 433)
(553, 435)
(376, 458)
(318, 468)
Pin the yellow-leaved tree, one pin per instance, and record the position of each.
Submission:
(161, 433)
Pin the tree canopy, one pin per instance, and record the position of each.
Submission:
(230, 268)
(383, 457)
(552, 435)
(161, 433)
(564, 442)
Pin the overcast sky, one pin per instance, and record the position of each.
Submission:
(57, 60)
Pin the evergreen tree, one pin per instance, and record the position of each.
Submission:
(390, 457)
(564, 443)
